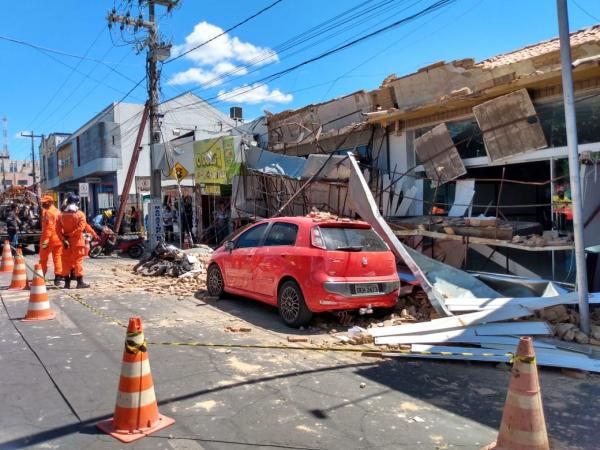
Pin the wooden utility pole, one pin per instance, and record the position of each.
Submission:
(156, 51)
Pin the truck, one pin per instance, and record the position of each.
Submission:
(29, 212)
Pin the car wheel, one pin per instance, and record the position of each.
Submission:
(291, 305)
(214, 281)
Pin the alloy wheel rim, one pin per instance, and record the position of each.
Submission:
(215, 282)
(289, 304)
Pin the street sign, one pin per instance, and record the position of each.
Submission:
(156, 225)
(84, 190)
(179, 172)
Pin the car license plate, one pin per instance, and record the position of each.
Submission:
(364, 289)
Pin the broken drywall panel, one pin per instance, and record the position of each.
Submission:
(439, 155)
(510, 125)
(463, 338)
(463, 197)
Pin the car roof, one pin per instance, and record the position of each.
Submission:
(317, 220)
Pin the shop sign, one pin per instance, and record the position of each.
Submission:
(215, 161)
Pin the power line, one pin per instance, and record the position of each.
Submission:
(57, 52)
(257, 83)
(247, 19)
(585, 11)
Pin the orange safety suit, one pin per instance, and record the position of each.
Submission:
(71, 225)
(50, 243)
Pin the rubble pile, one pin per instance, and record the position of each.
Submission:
(565, 324)
(169, 261)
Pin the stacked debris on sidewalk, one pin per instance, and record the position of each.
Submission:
(169, 261)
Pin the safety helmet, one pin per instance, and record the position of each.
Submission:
(72, 199)
(108, 213)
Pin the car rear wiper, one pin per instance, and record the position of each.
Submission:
(350, 248)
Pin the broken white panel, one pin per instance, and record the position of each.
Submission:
(510, 125)
(493, 304)
(490, 356)
(544, 357)
(439, 155)
(385, 197)
(463, 197)
(407, 200)
(499, 333)
(506, 312)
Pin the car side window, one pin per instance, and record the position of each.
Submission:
(251, 237)
(282, 233)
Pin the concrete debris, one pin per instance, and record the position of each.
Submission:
(238, 329)
(297, 339)
(168, 260)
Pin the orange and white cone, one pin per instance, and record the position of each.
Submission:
(523, 426)
(19, 276)
(136, 412)
(8, 261)
(39, 304)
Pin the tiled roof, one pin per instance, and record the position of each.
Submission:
(587, 35)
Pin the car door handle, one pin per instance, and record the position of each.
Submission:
(283, 256)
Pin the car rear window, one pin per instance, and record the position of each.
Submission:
(352, 239)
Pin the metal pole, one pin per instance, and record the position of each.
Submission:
(571, 127)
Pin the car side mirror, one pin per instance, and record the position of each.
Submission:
(229, 246)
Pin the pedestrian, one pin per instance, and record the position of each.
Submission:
(187, 215)
(50, 244)
(71, 225)
(133, 219)
(13, 224)
(168, 223)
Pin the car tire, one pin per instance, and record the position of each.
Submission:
(291, 305)
(136, 251)
(215, 285)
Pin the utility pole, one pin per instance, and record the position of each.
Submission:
(156, 51)
(574, 179)
(32, 135)
(4, 155)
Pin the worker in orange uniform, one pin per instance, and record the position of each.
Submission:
(50, 244)
(71, 225)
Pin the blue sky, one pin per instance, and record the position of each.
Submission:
(59, 93)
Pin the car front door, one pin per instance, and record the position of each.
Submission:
(273, 258)
(238, 273)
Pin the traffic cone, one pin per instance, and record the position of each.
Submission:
(136, 412)
(8, 262)
(19, 276)
(523, 426)
(39, 305)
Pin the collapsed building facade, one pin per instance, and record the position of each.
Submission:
(466, 160)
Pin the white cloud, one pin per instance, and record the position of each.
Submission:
(205, 77)
(256, 93)
(18, 135)
(222, 48)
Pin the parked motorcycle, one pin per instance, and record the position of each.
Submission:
(108, 242)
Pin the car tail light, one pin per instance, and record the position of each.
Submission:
(316, 238)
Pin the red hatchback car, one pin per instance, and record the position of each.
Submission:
(304, 266)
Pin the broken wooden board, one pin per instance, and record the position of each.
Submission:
(439, 155)
(510, 125)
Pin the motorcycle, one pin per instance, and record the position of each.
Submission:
(108, 241)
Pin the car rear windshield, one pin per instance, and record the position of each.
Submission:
(352, 239)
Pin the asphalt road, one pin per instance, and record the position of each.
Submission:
(59, 378)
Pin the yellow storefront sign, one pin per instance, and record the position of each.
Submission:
(215, 161)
